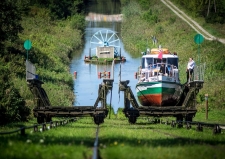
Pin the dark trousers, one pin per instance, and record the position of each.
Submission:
(189, 74)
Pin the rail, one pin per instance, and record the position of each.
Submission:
(216, 128)
(44, 126)
(96, 154)
(199, 72)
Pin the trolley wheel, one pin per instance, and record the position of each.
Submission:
(179, 121)
(199, 127)
(167, 123)
(98, 119)
(189, 118)
(35, 128)
(188, 126)
(44, 127)
(48, 119)
(216, 129)
(132, 119)
(173, 124)
(40, 119)
(157, 120)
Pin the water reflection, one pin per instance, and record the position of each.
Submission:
(87, 82)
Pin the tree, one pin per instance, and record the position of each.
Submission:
(10, 18)
(215, 11)
(208, 8)
(61, 9)
(12, 105)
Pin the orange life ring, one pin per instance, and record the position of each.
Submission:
(156, 51)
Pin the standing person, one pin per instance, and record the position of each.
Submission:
(190, 68)
(163, 69)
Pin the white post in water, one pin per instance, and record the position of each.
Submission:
(112, 70)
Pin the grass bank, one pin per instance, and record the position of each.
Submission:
(117, 139)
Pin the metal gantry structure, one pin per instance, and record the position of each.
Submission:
(185, 108)
(44, 111)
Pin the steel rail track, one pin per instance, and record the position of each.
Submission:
(44, 126)
(217, 128)
(96, 154)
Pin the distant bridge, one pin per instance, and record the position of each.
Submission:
(104, 17)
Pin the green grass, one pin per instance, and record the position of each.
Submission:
(73, 140)
(151, 141)
(214, 116)
(117, 139)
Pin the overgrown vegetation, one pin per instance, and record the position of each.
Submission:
(142, 23)
(55, 29)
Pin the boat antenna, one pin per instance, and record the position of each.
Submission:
(160, 47)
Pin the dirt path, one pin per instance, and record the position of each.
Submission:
(191, 22)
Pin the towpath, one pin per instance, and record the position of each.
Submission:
(191, 22)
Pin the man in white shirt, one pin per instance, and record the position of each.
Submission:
(190, 68)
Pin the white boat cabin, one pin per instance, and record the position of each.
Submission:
(154, 68)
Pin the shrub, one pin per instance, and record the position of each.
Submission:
(12, 105)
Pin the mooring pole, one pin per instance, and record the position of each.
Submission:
(206, 106)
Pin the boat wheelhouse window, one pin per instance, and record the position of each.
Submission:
(172, 61)
(143, 63)
(146, 62)
(157, 62)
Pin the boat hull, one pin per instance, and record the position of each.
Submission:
(158, 93)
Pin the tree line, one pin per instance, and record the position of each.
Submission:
(212, 10)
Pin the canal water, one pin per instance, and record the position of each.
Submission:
(87, 82)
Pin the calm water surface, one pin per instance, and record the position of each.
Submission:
(87, 82)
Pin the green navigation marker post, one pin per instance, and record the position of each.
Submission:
(27, 45)
(198, 40)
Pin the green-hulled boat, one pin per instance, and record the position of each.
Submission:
(158, 82)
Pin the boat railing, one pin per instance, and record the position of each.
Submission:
(168, 70)
(155, 71)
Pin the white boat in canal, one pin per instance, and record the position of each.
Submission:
(158, 82)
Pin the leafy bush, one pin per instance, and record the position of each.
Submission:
(131, 9)
(12, 105)
(9, 21)
(144, 4)
(78, 22)
(150, 17)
